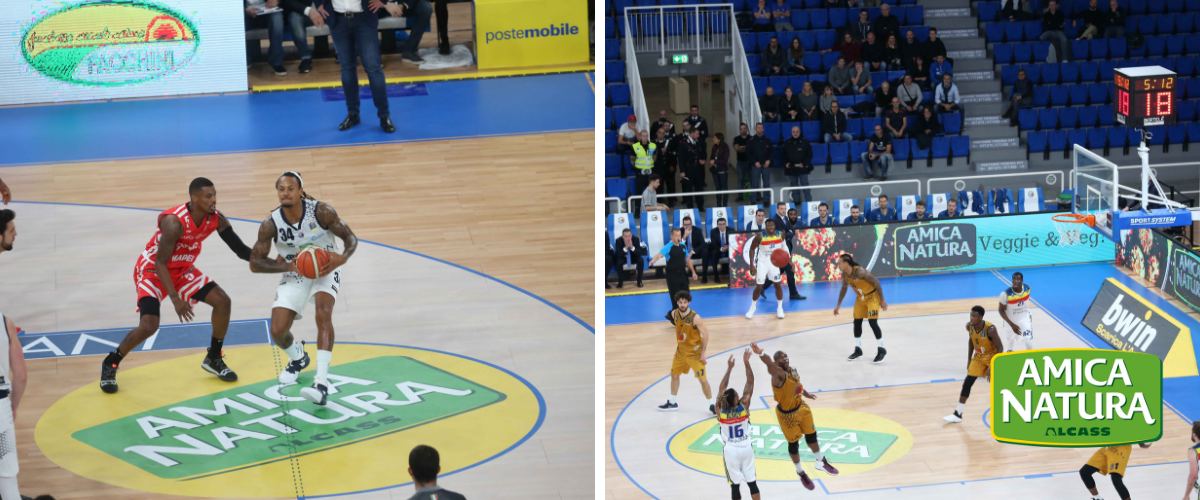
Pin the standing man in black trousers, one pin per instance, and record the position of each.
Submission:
(354, 25)
(691, 166)
(785, 226)
(697, 122)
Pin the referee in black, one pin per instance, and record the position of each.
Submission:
(424, 466)
(678, 266)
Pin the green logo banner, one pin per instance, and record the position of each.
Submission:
(263, 422)
(844, 446)
(1076, 397)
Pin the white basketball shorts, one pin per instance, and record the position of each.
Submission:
(739, 464)
(766, 271)
(1013, 341)
(296, 291)
(8, 441)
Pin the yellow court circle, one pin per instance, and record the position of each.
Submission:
(174, 429)
(853, 441)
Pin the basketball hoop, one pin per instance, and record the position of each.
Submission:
(1071, 235)
(1088, 219)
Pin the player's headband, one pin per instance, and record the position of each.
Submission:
(297, 176)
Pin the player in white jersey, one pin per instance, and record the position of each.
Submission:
(11, 388)
(1014, 308)
(763, 269)
(734, 416)
(298, 222)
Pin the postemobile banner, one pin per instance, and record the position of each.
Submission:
(1076, 397)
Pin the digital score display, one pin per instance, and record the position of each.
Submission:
(1144, 97)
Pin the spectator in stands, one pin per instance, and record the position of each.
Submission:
(926, 128)
(789, 106)
(797, 164)
(698, 123)
(418, 12)
(895, 119)
(946, 95)
(909, 93)
(663, 122)
(934, 47)
(784, 225)
(839, 77)
(827, 100)
(878, 156)
(629, 251)
(769, 105)
(760, 220)
(951, 210)
(643, 155)
(781, 14)
(920, 74)
(884, 96)
(627, 135)
(664, 161)
(810, 103)
(920, 213)
(794, 218)
(609, 259)
(356, 37)
(1052, 30)
(1114, 21)
(833, 126)
(759, 148)
(691, 169)
(650, 196)
(886, 24)
(1016, 10)
(939, 67)
(297, 17)
(1092, 19)
(774, 59)
(795, 58)
(692, 239)
(743, 160)
(891, 53)
(863, 28)
(718, 248)
(718, 164)
(763, 20)
(822, 218)
(860, 79)
(883, 211)
(1022, 95)
(850, 49)
(855, 217)
(872, 53)
(910, 49)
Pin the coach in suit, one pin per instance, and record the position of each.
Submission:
(629, 251)
(609, 258)
(785, 226)
(718, 247)
(354, 26)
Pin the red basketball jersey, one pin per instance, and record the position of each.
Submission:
(187, 248)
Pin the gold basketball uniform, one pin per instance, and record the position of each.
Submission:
(984, 350)
(1196, 449)
(687, 353)
(1111, 459)
(866, 305)
(795, 416)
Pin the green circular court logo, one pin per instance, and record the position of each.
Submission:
(175, 430)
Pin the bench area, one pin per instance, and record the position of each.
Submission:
(320, 36)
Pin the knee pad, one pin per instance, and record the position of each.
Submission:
(753, 487)
(811, 438)
(737, 492)
(966, 390)
(857, 328)
(794, 448)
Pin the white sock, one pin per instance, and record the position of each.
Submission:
(753, 306)
(780, 301)
(712, 401)
(960, 408)
(879, 341)
(799, 469)
(858, 342)
(1029, 343)
(671, 399)
(323, 359)
(295, 352)
(818, 456)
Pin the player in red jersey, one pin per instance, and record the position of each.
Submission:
(166, 269)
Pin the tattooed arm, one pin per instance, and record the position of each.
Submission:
(259, 260)
(328, 218)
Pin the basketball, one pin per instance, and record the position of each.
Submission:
(780, 258)
(310, 260)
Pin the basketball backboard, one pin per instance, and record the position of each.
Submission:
(1095, 181)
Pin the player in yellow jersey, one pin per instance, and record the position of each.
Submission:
(794, 415)
(1193, 471)
(692, 338)
(984, 342)
(866, 306)
(1109, 461)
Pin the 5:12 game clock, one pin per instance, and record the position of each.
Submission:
(1144, 96)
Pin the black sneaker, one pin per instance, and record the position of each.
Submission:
(796, 296)
(669, 318)
(318, 394)
(884, 178)
(880, 355)
(669, 406)
(216, 366)
(857, 354)
(108, 377)
(712, 409)
(279, 70)
(869, 177)
(411, 58)
(305, 65)
(292, 371)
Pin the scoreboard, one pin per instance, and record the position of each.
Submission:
(1144, 96)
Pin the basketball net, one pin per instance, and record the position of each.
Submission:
(1071, 226)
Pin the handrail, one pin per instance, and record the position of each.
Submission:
(700, 193)
(610, 199)
(633, 75)
(1062, 176)
(1162, 165)
(872, 185)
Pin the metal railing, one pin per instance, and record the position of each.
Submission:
(633, 75)
(1060, 177)
(873, 186)
(629, 201)
(744, 94)
(1193, 164)
(690, 28)
(620, 209)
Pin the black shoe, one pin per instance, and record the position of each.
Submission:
(411, 58)
(621, 285)
(640, 284)
(318, 394)
(857, 354)
(292, 371)
(1006, 114)
(216, 366)
(350, 121)
(386, 123)
(607, 286)
(869, 177)
(717, 279)
(796, 296)
(880, 355)
(704, 280)
(108, 377)
(884, 178)
(712, 409)
(669, 406)
(305, 65)
(279, 70)
(444, 50)
(669, 318)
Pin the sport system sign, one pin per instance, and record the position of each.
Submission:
(1128, 322)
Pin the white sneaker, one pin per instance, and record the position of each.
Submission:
(953, 418)
(779, 313)
(750, 314)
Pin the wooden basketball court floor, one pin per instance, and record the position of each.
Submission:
(886, 418)
(458, 280)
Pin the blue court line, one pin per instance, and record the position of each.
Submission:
(410, 252)
(25, 333)
(272, 121)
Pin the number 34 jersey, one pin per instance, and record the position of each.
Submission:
(291, 235)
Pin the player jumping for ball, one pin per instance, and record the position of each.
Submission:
(1109, 461)
(733, 414)
(797, 421)
(315, 223)
(764, 270)
(1014, 308)
(983, 343)
(866, 305)
(166, 269)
